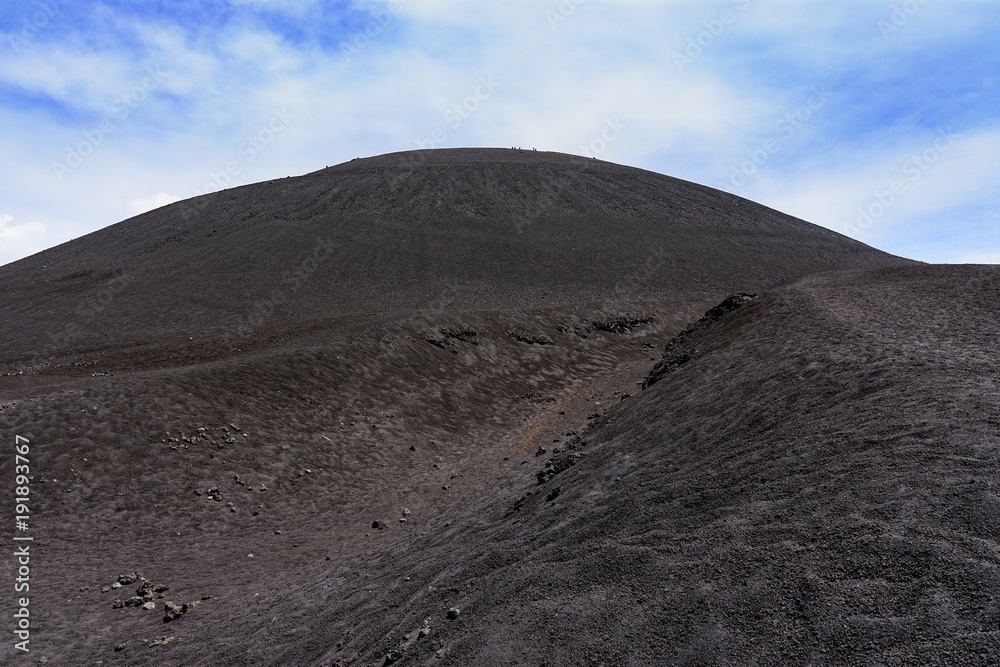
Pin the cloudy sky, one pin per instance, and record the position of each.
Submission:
(878, 119)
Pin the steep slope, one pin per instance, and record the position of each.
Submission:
(817, 484)
(240, 395)
(464, 228)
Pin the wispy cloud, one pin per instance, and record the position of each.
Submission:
(228, 65)
(20, 239)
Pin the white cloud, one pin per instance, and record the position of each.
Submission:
(19, 240)
(558, 89)
(834, 192)
(140, 205)
(980, 258)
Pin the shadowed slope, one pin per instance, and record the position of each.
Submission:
(818, 484)
(464, 228)
(466, 311)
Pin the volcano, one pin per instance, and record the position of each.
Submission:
(500, 407)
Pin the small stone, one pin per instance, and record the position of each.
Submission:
(453, 613)
(117, 584)
(149, 605)
(135, 601)
(171, 612)
(126, 579)
(423, 632)
(118, 604)
(119, 648)
(105, 589)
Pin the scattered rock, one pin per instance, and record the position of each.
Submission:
(378, 524)
(674, 354)
(555, 466)
(117, 604)
(529, 338)
(119, 648)
(554, 493)
(453, 613)
(621, 324)
(392, 656)
(117, 584)
(126, 579)
(149, 606)
(519, 503)
(450, 336)
(106, 589)
(172, 612)
(134, 601)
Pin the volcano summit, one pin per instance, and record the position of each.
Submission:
(501, 407)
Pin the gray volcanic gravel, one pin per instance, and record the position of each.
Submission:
(488, 427)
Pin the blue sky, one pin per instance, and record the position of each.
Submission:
(880, 120)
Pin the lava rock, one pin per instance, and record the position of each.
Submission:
(126, 579)
(171, 612)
